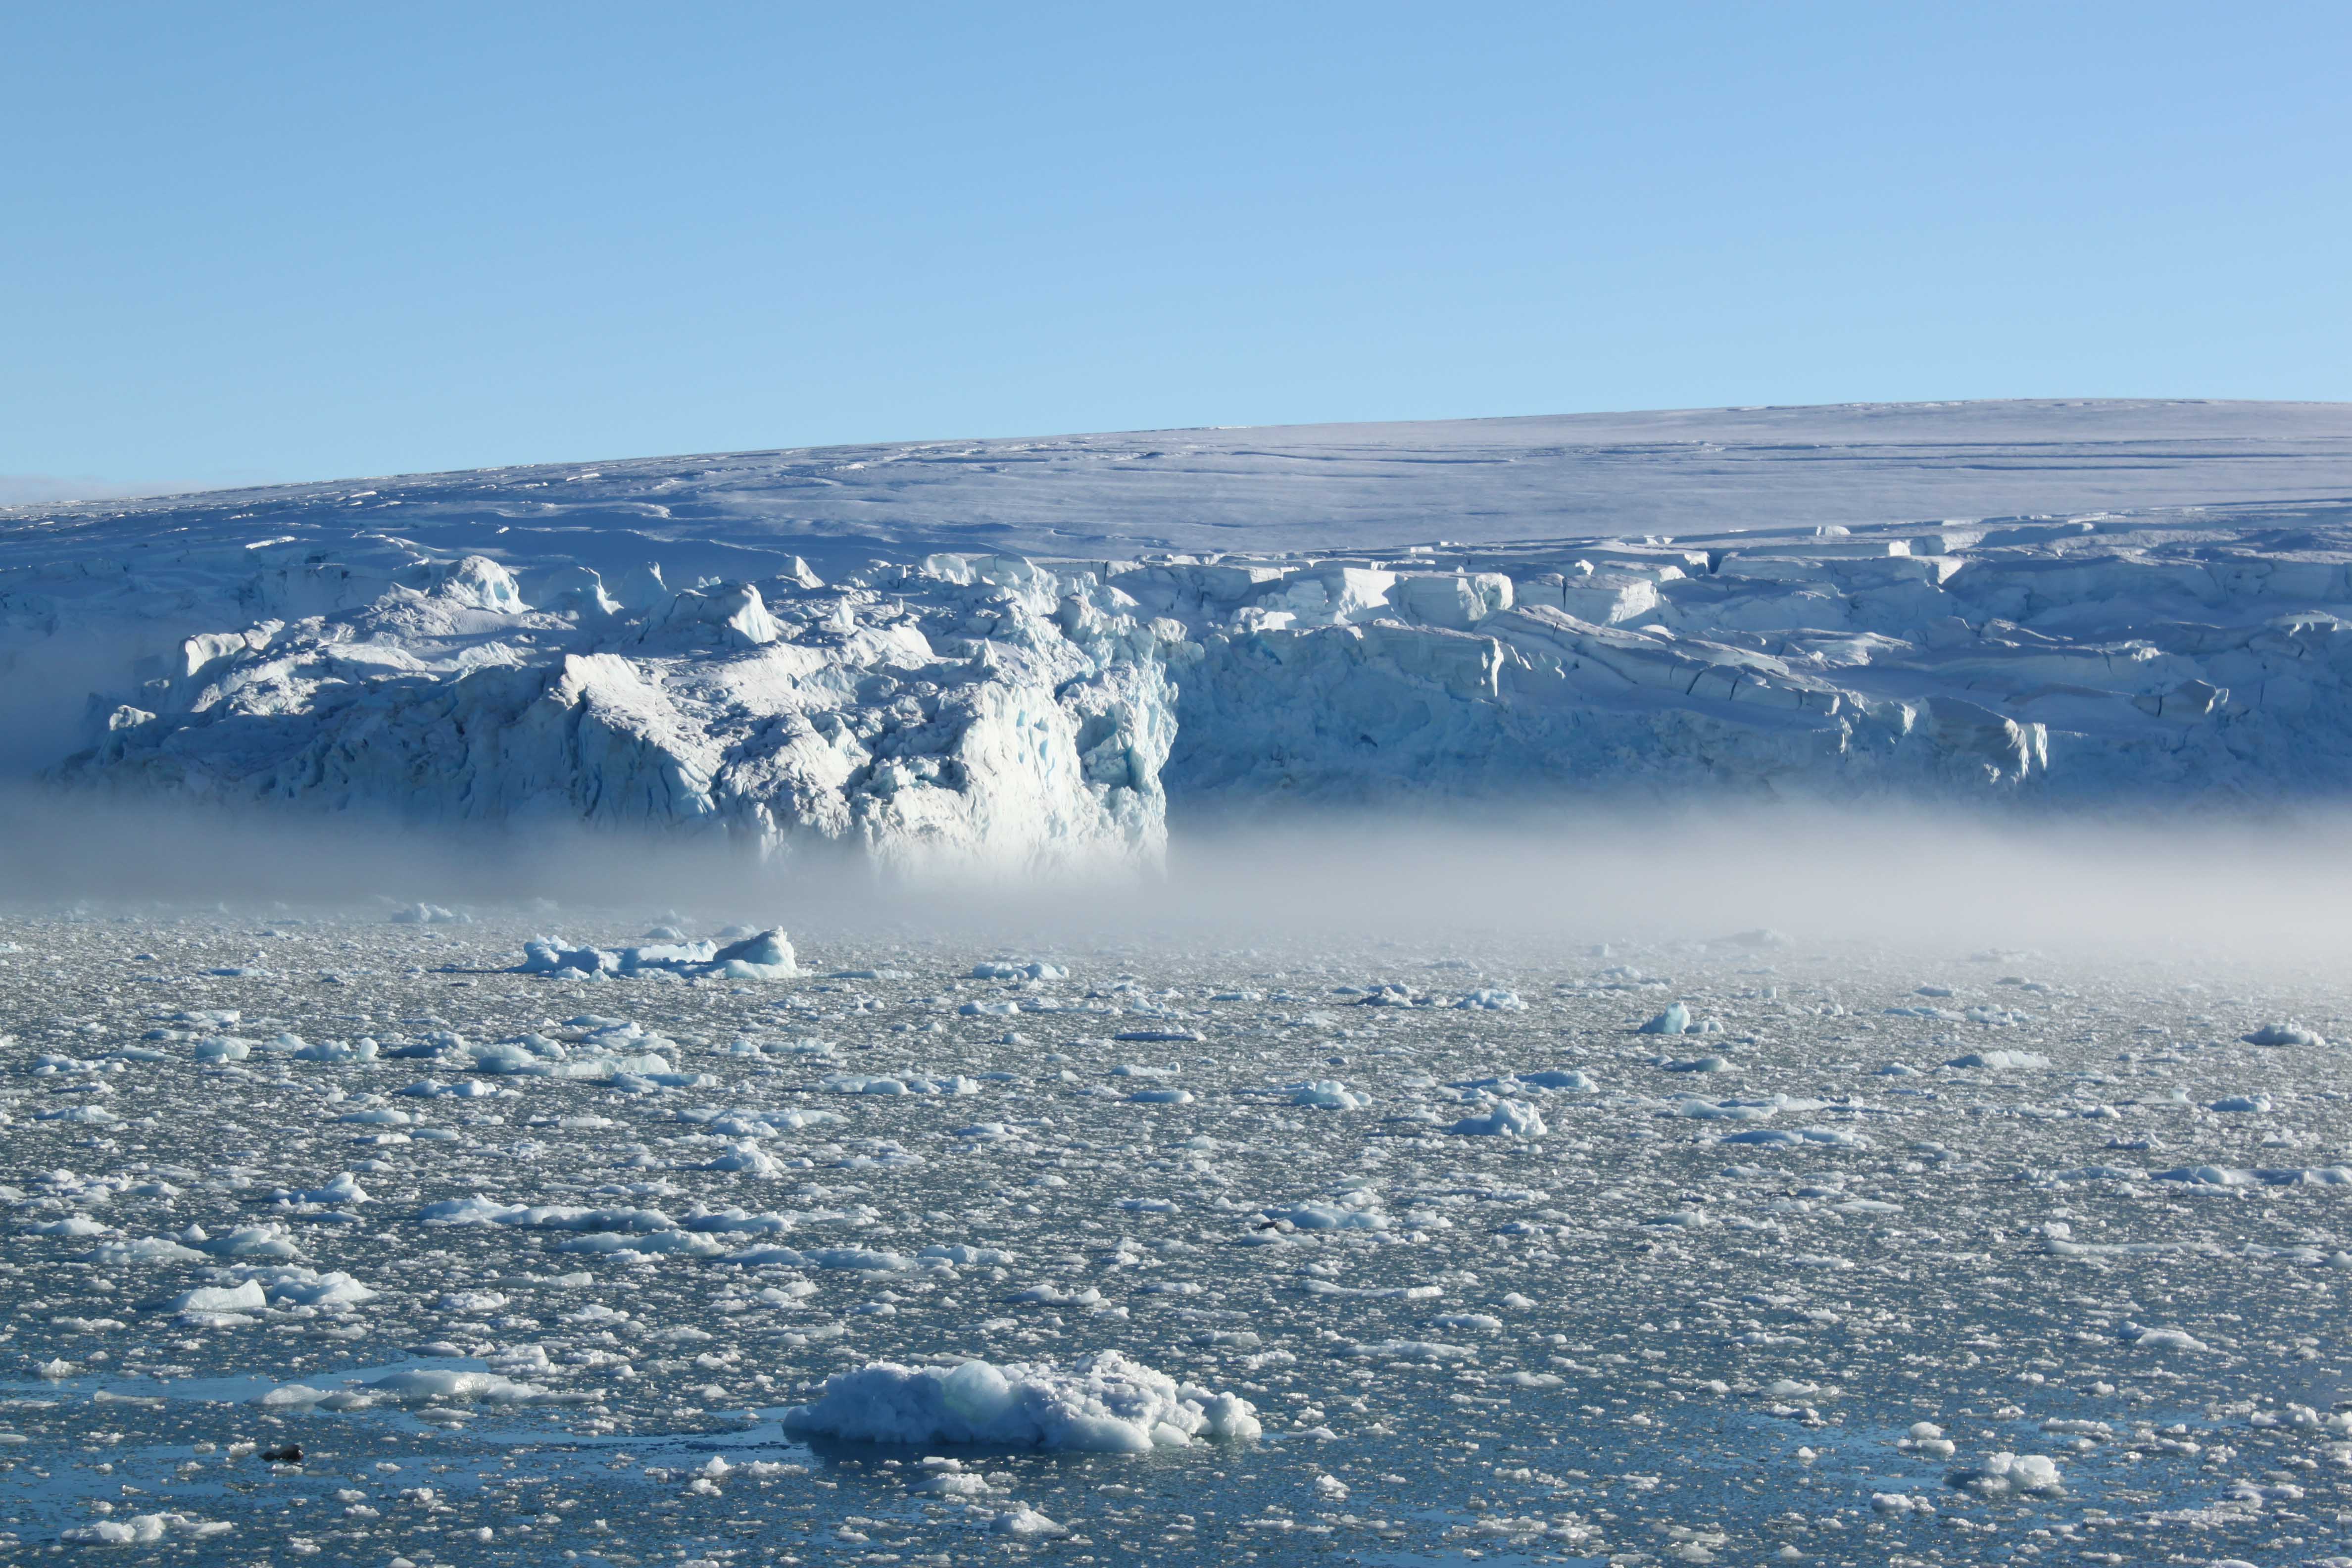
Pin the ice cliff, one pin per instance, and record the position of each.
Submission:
(1034, 686)
(996, 716)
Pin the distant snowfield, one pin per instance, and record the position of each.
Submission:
(1022, 651)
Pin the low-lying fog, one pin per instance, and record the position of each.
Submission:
(2275, 887)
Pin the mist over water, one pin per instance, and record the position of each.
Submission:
(2265, 888)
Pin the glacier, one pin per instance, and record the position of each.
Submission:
(1032, 652)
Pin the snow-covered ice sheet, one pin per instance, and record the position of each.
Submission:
(1032, 652)
(2043, 1290)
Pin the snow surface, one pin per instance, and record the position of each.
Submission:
(1021, 651)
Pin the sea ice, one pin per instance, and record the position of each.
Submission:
(1103, 1403)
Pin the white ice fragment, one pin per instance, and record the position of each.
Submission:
(766, 956)
(1798, 1137)
(214, 1299)
(1105, 1403)
(1557, 1079)
(1504, 1118)
(73, 1225)
(144, 1529)
(968, 1256)
(431, 1385)
(344, 1189)
(2034, 1475)
(2001, 1061)
(2284, 1034)
(1026, 1523)
(304, 1287)
(146, 1250)
(1018, 971)
(1355, 1209)
(1492, 1001)
(2207, 1177)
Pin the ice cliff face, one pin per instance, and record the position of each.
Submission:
(971, 702)
(2143, 659)
(977, 714)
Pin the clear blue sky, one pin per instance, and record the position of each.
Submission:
(256, 241)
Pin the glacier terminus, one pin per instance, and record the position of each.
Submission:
(1032, 652)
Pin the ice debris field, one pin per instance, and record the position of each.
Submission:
(1745, 1250)
(412, 1222)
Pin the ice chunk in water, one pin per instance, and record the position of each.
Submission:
(1105, 1403)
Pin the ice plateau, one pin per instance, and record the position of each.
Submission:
(1022, 651)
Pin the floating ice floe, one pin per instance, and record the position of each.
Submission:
(1557, 1079)
(1327, 1094)
(1797, 1137)
(904, 1083)
(2206, 1176)
(1017, 971)
(2001, 1061)
(435, 1385)
(1026, 1522)
(219, 1301)
(765, 956)
(72, 1225)
(1491, 1001)
(1103, 1403)
(269, 1241)
(1356, 1208)
(1420, 1352)
(1998, 1475)
(144, 1529)
(1504, 1118)
(343, 1189)
(264, 1287)
(1698, 1109)
(297, 1284)
(146, 1251)
(429, 915)
(850, 1259)
(479, 1210)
